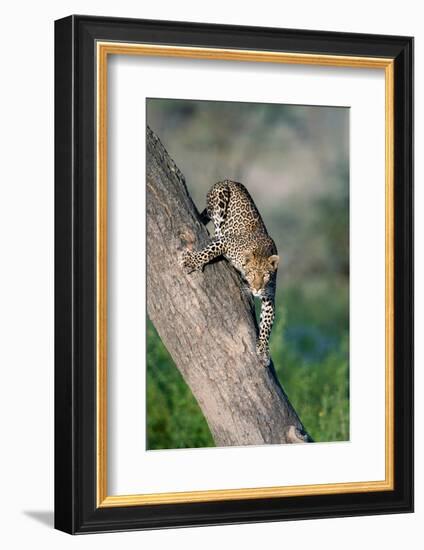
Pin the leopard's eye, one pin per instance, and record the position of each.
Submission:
(266, 277)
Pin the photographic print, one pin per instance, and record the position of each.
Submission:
(233, 274)
(247, 274)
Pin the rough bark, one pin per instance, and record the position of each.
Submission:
(206, 322)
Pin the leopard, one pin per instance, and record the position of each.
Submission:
(241, 237)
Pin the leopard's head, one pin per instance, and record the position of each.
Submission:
(258, 270)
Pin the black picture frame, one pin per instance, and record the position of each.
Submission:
(76, 508)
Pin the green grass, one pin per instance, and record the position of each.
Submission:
(309, 347)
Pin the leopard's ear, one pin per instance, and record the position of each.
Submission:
(248, 257)
(273, 262)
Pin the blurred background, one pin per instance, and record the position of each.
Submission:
(294, 160)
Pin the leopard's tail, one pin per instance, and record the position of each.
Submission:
(204, 216)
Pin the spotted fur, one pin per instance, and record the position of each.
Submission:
(241, 236)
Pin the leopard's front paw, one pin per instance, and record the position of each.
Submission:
(262, 352)
(188, 262)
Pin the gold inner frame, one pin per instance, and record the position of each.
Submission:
(104, 49)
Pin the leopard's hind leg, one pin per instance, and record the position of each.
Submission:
(217, 204)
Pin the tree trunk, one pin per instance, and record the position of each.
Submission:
(206, 322)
